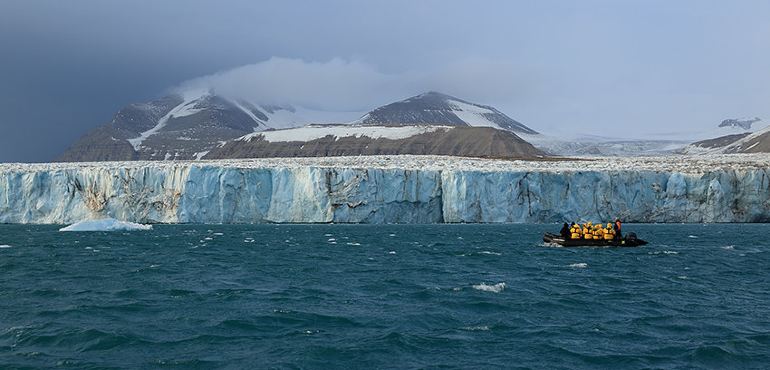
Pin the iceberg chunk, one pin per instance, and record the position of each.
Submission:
(107, 224)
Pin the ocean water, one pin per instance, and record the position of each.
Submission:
(382, 296)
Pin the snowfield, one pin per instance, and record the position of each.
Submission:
(310, 133)
(391, 189)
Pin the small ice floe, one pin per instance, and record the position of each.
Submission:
(491, 253)
(327, 235)
(391, 235)
(581, 265)
(682, 277)
(495, 288)
(392, 252)
(107, 224)
(692, 236)
(249, 240)
(353, 244)
(728, 247)
(218, 234)
(670, 252)
(3, 246)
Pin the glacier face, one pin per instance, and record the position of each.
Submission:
(389, 190)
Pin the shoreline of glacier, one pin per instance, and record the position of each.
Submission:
(391, 189)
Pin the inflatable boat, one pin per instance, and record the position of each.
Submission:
(630, 240)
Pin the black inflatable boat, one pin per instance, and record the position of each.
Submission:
(629, 241)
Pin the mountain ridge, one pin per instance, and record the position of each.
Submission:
(190, 125)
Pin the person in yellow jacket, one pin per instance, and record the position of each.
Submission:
(575, 231)
(609, 232)
(588, 231)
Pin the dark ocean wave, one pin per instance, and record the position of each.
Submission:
(386, 296)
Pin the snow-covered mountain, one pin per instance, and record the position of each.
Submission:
(687, 142)
(735, 136)
(186, 126)
(190, 125)
(433, 108)
(740, 123)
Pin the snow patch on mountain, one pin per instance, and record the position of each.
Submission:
(186, 108)
(474, 115)
(310, 133)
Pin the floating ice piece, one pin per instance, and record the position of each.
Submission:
(107, 224)
(581, 265)
(5, 246)
(496, 288)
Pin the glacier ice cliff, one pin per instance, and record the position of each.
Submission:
(397, 189)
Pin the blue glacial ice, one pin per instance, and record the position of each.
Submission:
(397, 189)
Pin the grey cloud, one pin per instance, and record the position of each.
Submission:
(345, 85)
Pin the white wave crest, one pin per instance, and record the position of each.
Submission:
(581, 265)
(476, 328)
(107, 224)
(496, 288)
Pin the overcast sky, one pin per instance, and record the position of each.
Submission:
(618, 68)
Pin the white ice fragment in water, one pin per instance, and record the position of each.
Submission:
(392, 252)
(729, 247)
(581, 265)
(107, 224)
(219, 234)
(5, 246)
(491, 253)
(496, 288)
(692, 236)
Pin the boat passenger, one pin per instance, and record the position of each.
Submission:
(609, 232)
(576, 231)
(618, 227)
(565, 231)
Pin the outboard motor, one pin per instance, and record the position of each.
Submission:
(631, 237)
